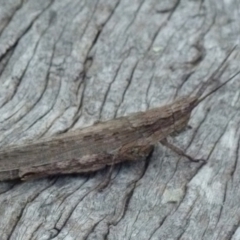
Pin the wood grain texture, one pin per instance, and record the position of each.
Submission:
(67, 64)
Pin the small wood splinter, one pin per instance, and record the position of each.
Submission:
(107, 143)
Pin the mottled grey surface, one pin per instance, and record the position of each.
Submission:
(65, 64)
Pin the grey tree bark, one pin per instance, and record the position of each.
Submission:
(65, 64)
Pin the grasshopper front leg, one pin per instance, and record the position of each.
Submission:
(180, 151)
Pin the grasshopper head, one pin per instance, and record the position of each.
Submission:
(181, 112)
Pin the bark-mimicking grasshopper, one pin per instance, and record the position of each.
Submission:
(105, 143)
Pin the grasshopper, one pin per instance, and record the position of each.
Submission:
(92, 148)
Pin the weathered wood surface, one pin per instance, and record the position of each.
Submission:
(66, 64)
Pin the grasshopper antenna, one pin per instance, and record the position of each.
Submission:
(216, 74)
(215, 89)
